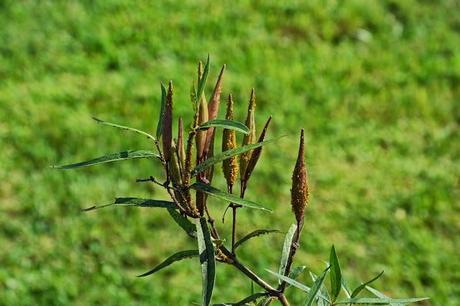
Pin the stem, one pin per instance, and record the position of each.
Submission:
(283, 300)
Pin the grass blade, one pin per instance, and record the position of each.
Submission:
(358, 289)
(113, 157)
(170, 260)
(227, 154)
(127, 128)
(315, 288)
(208, 189)
(336, 274)
(226, 124)
(207, 260)
(286, 249)
(253, 234)
(380, 301)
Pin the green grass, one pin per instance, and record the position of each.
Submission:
(374, 83)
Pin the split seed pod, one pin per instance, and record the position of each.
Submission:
(299, 191)
(251, 137)
(167, 124)
(256, 153)
(202, 118)
(230, 165)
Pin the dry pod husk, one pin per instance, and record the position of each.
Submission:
(167, 124)
(299, 191)
(230, 166)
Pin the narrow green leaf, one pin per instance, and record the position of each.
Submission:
(208, 189)
(295, 273)
(202, 82)
(207, 260)
(346, 289)
(363, 285)
(322, 290)
(296, 284)
(254, 234)
(265, 301)
(173, 258)
(376, 292)
(315, 288)
(286, 249)
(252, 298)
(227, 154)
(119, 156)
(226, 124)
(336, 274)
(162, 110)
(183, 222)
(380, 301)
(131, 201)
(127, 128)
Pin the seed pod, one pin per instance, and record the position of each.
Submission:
(230, 166)
(213, 110)
(251, 137)
(299, 191)
(167, 123)
(201, 135)
(174, 166)
(256, 153)
(180, 143)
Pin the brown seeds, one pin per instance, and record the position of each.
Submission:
(231, 165)
(299, 191)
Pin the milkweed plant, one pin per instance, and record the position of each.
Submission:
(188, 160)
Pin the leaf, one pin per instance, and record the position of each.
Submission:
(380, 301)
(336, 274)
(226, 124)
(131, 201)
(296, 284)
(207, 260)
(358, 289)
(376, 292)
(183, 222)
(227, 154)
(113, 157)
(315, 288)
(202, 82)
(170, 260)
(127, 128)
(322, 290)
(162, 110)
(286, 249)
(295, 273)
(346, 289)
(208, 189)
(254, 234)
(252, 298)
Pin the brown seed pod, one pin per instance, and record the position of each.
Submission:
(213, 110)
(167, 123)
(230, 166)
(251, 137)
(256, 153)
(299, 191)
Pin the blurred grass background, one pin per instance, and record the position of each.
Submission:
(374, 83)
